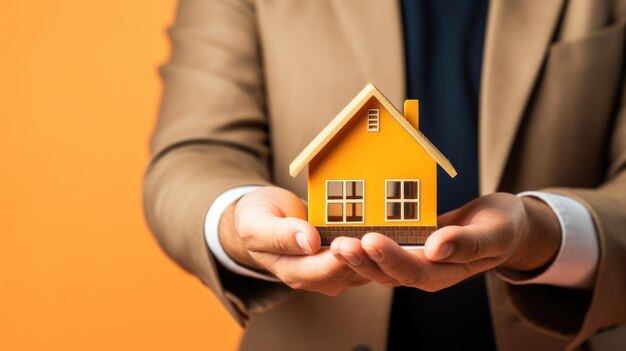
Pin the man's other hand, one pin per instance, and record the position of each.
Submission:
(267, 230)
(497, 230)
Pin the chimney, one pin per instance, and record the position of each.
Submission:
(412, 112)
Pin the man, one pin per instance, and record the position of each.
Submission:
(249, 83)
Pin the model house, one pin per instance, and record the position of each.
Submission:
(372, 170)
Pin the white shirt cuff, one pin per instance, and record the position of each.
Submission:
(211, 231)
(576, 262)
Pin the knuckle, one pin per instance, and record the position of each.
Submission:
(473, 251)
(280, 244)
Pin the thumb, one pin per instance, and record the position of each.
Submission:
(265, 228)
(284, 236)
(462, 244)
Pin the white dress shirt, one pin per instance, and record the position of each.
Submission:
(573, 267)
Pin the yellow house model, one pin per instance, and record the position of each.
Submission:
(372, 170)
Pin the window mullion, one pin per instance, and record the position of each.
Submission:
(345, 200)
(402, 200)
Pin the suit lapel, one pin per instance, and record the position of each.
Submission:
(518, 35)
(373, 31)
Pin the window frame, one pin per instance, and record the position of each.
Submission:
(344, 201)
(402, 200)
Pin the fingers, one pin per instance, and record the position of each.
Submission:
(411, 268)
(392, 259)
(349, 250)
(321, 272)
(271, 224)
(272, 220)
(465, 244)
(476, 237)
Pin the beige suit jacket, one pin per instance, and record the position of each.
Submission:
(250, 83)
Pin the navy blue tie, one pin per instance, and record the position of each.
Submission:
(443, 48)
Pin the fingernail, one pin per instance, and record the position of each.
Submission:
(445, 250)
(374, 253)
(351, 258)
(334, 245)
(303, 242)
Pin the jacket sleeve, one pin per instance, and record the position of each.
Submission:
(579, 314)
(211, 135)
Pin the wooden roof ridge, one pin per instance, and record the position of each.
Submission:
(346, 114)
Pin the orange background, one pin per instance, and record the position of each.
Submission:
(78, 267)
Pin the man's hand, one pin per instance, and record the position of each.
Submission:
(267, 230)
(498, 230)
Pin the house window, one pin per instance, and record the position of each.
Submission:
(344, 201)
(402, 200)
(373, 120)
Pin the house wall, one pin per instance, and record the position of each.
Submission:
(356, 154)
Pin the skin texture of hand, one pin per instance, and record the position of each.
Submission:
(267, 230)
(497, 230)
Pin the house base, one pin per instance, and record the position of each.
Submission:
(405, 235)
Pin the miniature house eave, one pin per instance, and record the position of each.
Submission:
(337, 123)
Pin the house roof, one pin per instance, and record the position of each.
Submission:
(337, 123)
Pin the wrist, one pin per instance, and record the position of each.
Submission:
(231, 242)
(540, 237)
